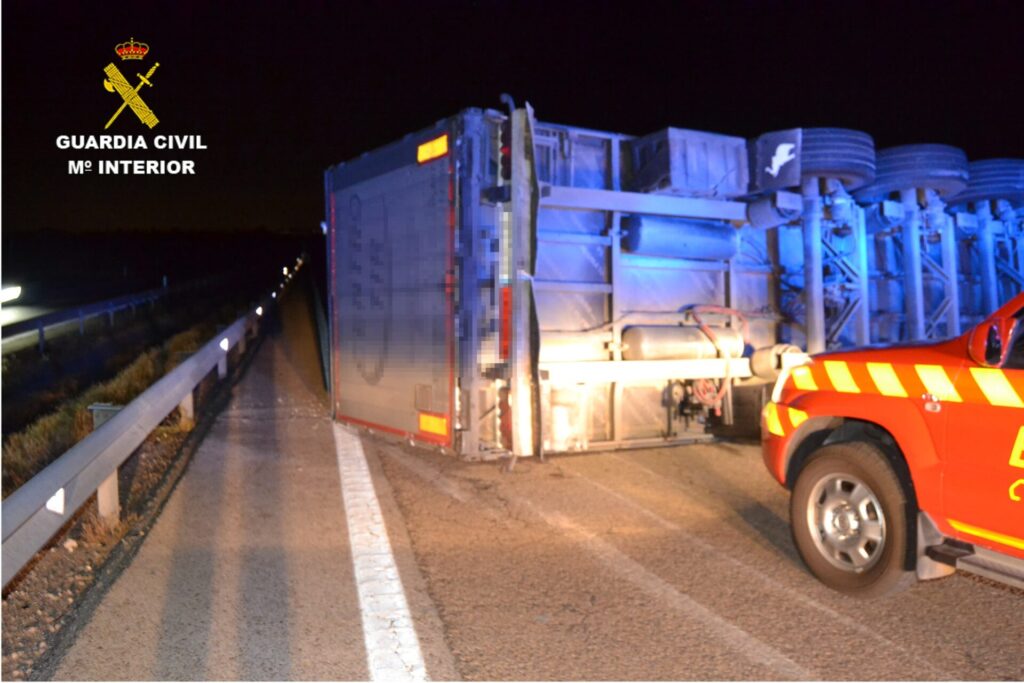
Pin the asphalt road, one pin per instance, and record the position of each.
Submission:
(671, 563)
(248, 572)
(668, 563)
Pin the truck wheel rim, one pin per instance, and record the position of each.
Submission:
(846, 522)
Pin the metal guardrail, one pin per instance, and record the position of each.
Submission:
(83, 313)
(39, 508)
(39, 325)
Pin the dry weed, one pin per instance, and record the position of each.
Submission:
(33, 448)
(99, 531)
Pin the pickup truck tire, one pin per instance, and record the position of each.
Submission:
(849, 515)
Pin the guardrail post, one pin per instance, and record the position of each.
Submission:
(107, 502)
(187, 411)
(107, 495)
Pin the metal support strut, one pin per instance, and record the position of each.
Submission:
(814, 294)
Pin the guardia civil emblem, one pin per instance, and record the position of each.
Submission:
(116, 82)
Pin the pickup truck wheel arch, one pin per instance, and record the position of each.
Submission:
(824, 431)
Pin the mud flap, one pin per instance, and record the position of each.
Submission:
(928, 535)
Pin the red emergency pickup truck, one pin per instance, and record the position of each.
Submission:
(907, 459)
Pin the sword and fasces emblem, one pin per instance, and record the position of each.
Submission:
(116, 82)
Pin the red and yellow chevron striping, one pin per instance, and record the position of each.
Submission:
(974, 385)
(951, 384)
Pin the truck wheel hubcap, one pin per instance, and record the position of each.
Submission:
(846, 522)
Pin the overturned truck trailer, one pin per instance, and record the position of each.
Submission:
(502, 285)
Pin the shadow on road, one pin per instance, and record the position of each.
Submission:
(770, 527)
(229, 540)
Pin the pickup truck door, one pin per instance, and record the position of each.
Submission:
(983, 483)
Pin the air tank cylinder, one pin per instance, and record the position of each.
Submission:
(679, 238)
(676, 342)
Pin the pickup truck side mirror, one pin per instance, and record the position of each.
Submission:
(989, 342)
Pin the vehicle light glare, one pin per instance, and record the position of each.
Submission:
(9, 294)
(259, 310)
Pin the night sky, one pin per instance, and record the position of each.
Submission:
(279, 91)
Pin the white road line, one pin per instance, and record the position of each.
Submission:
(757, 575)
(392, 646)
(731, 635)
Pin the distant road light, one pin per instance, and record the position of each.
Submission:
(9, 294)
(259, 310)
(284, 271)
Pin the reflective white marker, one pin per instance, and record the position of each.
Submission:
(56, 502)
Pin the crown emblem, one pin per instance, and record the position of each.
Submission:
(131, 49)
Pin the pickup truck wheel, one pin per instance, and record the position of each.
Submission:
(849, 518)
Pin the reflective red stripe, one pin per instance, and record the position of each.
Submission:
(505, 335)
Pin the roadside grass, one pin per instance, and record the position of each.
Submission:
(99, 531)
(27, 452)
